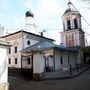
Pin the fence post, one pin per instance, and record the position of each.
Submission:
(77, 67)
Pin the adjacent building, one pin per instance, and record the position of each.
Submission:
(4, 65)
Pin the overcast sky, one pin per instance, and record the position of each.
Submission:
(47, 14)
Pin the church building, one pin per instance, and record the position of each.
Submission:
(39, 54)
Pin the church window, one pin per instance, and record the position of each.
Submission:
(68, 24)
(9, 50)
(46, 61)
(61, 60)
(28, 42)
(9, 60)
(28, 60)
(75, 24)
(15, 60)
(15, 49)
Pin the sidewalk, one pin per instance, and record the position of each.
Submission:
(65, 74)
(79, 71)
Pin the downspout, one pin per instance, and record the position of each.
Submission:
(22, 47)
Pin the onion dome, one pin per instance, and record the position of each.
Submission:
(29, 14)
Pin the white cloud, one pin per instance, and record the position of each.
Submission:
(47, 10)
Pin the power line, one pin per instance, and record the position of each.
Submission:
(52, 29)
(81, 15)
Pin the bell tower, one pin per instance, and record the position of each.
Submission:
(72, 34)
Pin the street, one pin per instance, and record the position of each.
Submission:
(82, 82)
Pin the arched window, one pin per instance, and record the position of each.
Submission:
(75, 24)
(68, 24)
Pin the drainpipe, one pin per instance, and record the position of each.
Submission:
(22, 47)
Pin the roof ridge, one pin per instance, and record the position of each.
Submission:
(26, 32)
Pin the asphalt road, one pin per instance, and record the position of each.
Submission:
(82, 82)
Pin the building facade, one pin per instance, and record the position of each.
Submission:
(48, 57)
(19, 41)
(40, 54)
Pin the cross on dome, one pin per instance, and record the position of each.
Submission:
(69, 3)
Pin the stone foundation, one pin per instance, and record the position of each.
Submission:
(4, 86)
(38, 76)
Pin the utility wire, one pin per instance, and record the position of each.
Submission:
(52, 29)
(81, 15)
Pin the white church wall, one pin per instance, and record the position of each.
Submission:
(65, 63)
(33, 39)
(63, 39)
(38, 63)
(57, 61)
(3, 68)
(72, 60)
(77, 39)
(58, 65)
(79, 22)
(65, 23)
(30, 25)
(65, 60)
(3, 65)
(32, 42)
(71, 21)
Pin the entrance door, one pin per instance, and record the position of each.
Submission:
(27, 67)
(49, 64)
